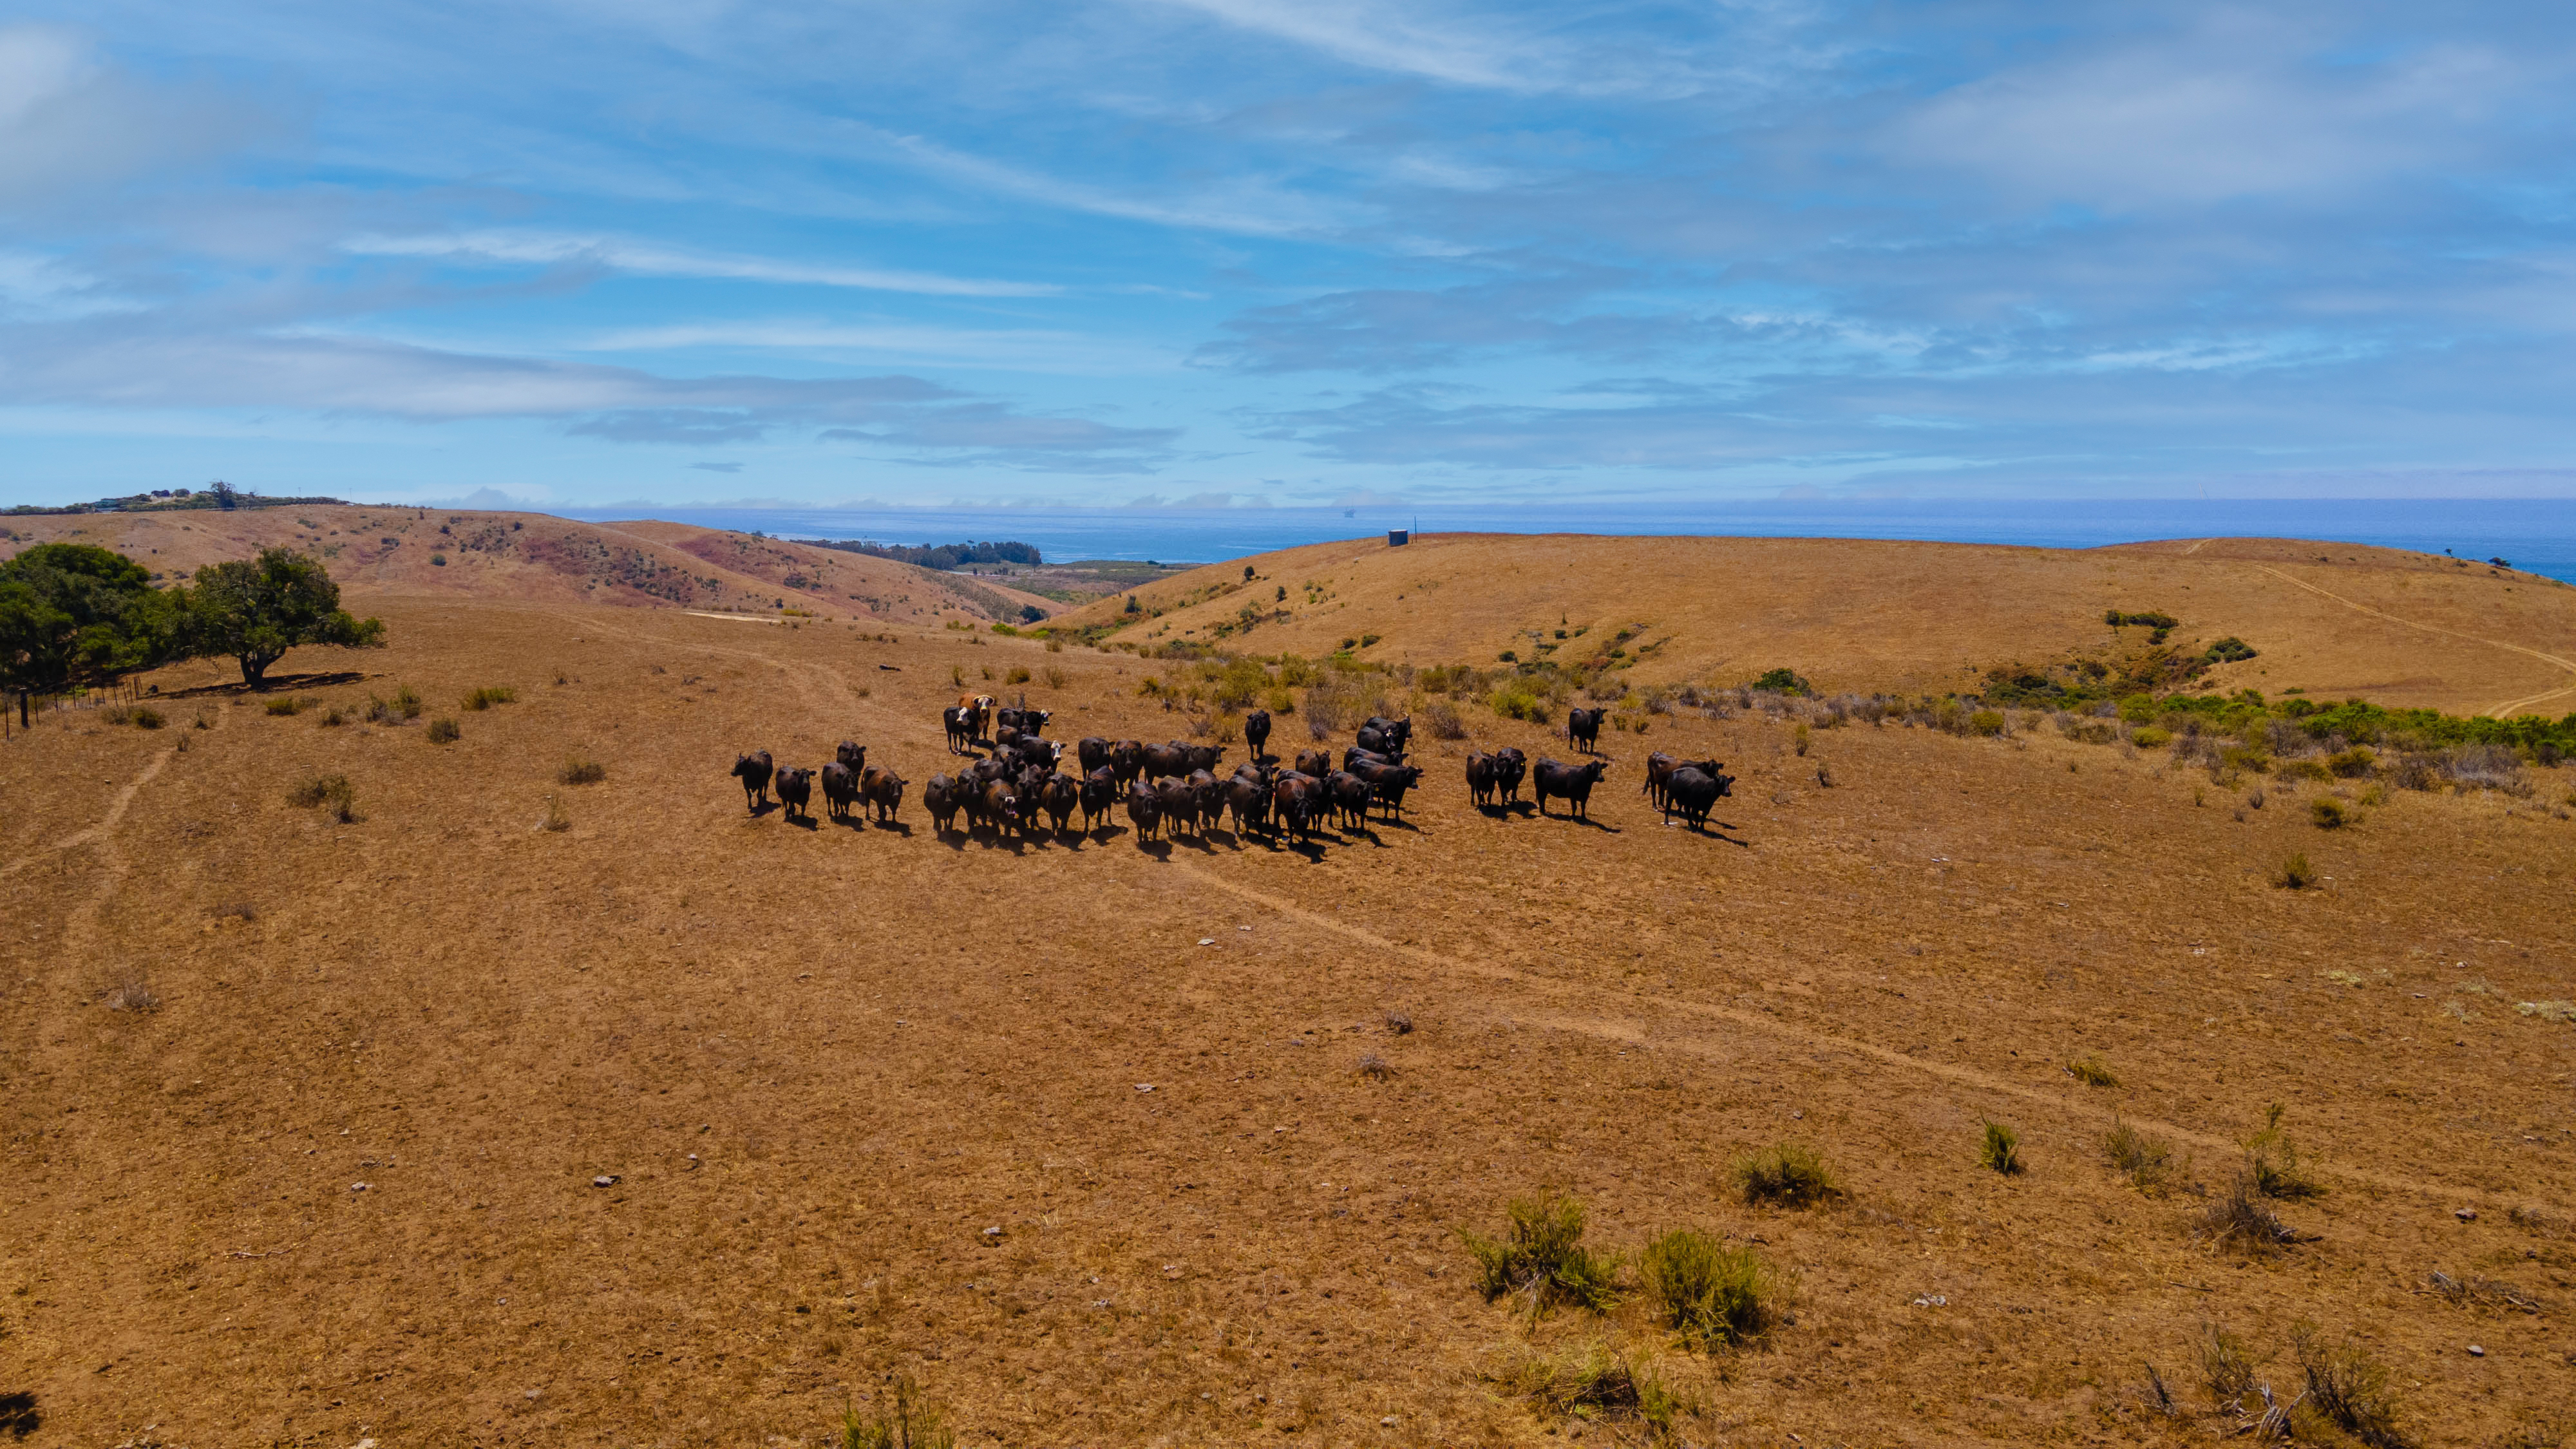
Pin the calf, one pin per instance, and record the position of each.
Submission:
(753, 770)
(882, 789)
(796, 792)
(1572, 782)
(1694, 792)
(840, 787)
(1583, 728)
(1256, 731)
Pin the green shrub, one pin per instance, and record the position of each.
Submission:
(490, 695)
(2239, 1217)
(443, 731)
(1708, 1292)
(288, 704)
(2146, 1161)
(2302, 770)
(1799, 737)
(1986, 722)
(2226, 1366)
(1785, 1174)
(2328, 815)
(2295, 874)
(2230, 650)
(1019, 674)
(2351, 764)
(1541, 1257)
(1782, 681)
(581, 770)
(145, 717)
(2092, 1071)
(2001, 1149)
(1519, 703)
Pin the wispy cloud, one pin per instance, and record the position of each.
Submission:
(554, 249)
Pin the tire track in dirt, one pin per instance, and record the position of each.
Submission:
(115, 813)
(2498, 711)
(1593, 1024)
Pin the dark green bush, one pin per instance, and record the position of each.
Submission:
(1541, 1258)
(1785, 1174)
(1708, 1292)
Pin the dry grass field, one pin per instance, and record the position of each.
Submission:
(679, 1125)
(2403, 629)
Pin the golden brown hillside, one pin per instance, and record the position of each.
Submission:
(373, 549)
(685, 1125)
(2335, 620)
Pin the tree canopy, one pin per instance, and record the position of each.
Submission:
(72, 614)
(256, 610)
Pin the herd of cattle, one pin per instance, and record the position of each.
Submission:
(1170, 789)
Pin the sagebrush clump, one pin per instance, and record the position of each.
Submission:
(1785, 1174)
(1541, 1258)
(1707, 1291)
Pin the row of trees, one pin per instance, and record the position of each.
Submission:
(73, 615)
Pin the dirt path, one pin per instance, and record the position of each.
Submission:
(1594, 1024)
(115, 812)
(2500, 711)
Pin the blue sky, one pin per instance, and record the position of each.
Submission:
(1215, 250)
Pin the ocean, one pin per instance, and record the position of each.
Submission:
(2534, 535)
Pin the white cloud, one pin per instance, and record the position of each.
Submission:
(646, 259)
(1248, 204)
(69, 122)
(1028, 350)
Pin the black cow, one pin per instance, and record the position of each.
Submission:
(883, 790)
(1317, 763)
(1583, 728)
(1659, 773)
(1248, 796)
(1354, 757)
(1694, 792)
(1099, 796)
(1166, 762)
(1388, 783)
(960, 723)
(943, 797)
(753, 770)
(1029, 750)
(1351, 796)
(1144, 811)
(1203, 757)
(1093, 753)
(840, 787)
(1127, 758)
(851, 754)
(1026, 721)
(1380, 742)
(796, 792)
(1573, 782)
(1256, 731)
(1397, 732)
(1180, 805)
(1510, 767)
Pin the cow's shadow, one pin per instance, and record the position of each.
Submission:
(804, 822)
(897, 826)
(761, 809)
(1159, 849)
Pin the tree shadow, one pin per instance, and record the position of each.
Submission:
(18, 1415)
